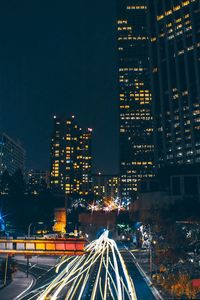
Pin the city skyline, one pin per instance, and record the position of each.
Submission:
(105, 98)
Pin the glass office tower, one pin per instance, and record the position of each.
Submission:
(136, 130)
(175, 71)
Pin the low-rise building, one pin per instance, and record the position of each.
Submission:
(105, 186)
(173, 184)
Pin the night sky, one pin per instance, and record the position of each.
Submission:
(59, 57)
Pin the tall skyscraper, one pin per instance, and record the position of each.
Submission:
(175, 71)
(136, 132)
(12, 155)
(70, 158)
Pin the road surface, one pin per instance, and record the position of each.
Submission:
(143, 291)
(104, 273)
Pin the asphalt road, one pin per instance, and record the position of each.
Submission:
(44, 272)
(142, 288)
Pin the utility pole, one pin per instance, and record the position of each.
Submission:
(150, 259)
(6, 271)
(27, 266)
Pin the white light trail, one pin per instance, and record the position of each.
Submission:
(101, 273)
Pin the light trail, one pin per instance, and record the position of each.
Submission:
(99, 274)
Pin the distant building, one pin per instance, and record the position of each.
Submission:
(92, 223)
(175, 72)
(12, 155)
(71, 160)
(38, 180)
(136, 128)
(60, 220)
(105, 186)
(173, 185)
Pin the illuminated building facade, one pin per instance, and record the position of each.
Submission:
(136, 132)
(12, 155)
(175, 69)
(60, 220)
(105, 186)
(38, 181)
(71, 158)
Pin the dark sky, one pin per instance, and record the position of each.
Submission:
(59, 57)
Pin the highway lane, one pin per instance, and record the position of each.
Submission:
(38, 266)
(98, 275)
(143, 291)
(106, 272)
(43, 270)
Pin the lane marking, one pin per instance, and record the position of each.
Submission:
(20, 295)
(146, 278)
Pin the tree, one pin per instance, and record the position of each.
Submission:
(191, 291)
(17, 186)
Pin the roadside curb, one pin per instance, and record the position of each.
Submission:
(22, 294)
(31, 285)
(155, 292)
(15, 290)
(4, 286)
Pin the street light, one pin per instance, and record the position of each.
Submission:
(29, 227)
